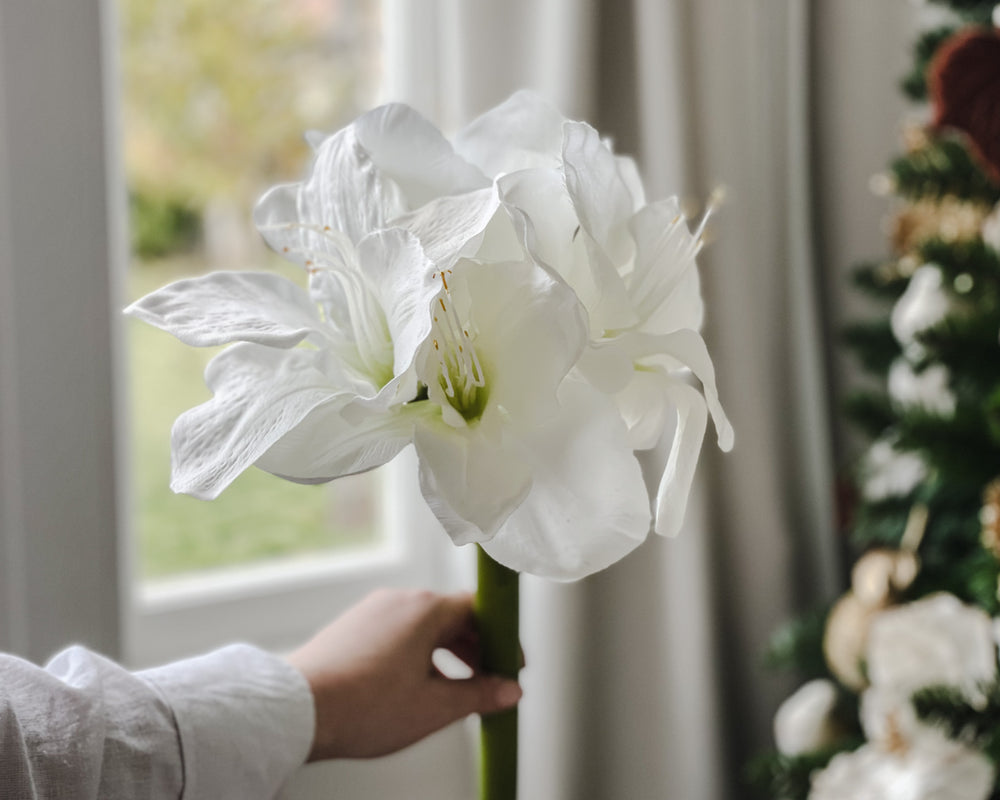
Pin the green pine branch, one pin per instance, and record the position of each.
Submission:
(873, 344)
(972, 578)
(977, 724)
(967, 345)
(914, 83)
(879, 280)
(797, 646)
(943, 167)
(956, 446)
(971, 257)
(870, 412)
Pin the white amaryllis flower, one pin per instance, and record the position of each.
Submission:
(805, 721)
(433, 317)
(584, 216)
(929, 389)
(935, 769)
(937, 640)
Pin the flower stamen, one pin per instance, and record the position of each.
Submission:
(462, 375)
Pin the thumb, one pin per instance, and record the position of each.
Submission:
(480, 694)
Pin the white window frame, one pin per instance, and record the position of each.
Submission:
(66, 559)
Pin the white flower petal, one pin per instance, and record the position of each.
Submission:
(224, 307)
(678, 474)
(329, 444)
(260, 393)
(451, 227)
(664, 286)
(405, 285)
(551, 227)
(522, 132)
(600, 196)
(471, 482)
(344, 197)
(686, 347)
(642, 404)
(540, 195)
(531, 332)
(556, 239)
(588, 506)
(608, 364)
(410, 150)
(633, 182)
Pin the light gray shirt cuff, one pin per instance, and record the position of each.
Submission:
(246, 721)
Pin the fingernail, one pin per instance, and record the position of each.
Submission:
(508, 693)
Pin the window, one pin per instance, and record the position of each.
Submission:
(216, 98)
(214, 103)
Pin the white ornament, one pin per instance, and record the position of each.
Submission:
(929, 389)
(888, 472)
(805, 720)
(935, 769)
(937, 640)
(924, 304)
(934, 640)
(991, 225)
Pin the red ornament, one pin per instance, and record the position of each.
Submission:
(964, 83)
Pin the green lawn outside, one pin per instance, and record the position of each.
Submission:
(259, 516)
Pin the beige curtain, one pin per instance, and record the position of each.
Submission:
(645, 681)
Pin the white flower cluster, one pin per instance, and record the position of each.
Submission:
(508, 303)
(933, 641)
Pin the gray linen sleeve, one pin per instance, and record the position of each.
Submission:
(232, 724)
(246, 721)
(83, 727)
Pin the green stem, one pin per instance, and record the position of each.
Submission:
(497, 615)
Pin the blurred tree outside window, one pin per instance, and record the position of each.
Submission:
(216, 99)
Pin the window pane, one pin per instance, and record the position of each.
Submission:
(217, 96)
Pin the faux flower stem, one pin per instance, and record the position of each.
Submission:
(497, 614)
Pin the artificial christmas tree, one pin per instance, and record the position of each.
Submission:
(903, 668)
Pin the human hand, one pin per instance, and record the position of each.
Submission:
(375, 687)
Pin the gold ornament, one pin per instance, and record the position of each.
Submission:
(845, 639)
(878, 580)
(989, 516)
(948, 218)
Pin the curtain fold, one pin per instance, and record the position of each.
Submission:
(644, 681)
